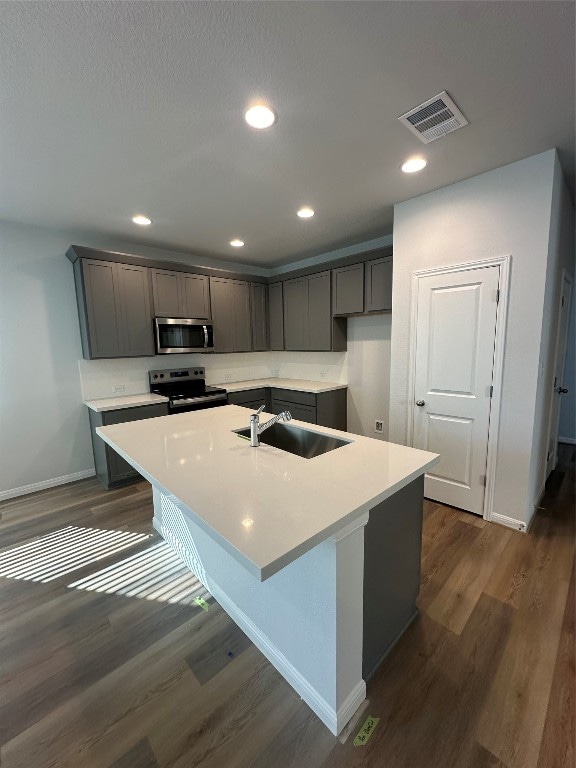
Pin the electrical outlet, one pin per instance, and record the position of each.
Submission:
(378, 426)
(323, 374)
(227, 377)
(117, 389)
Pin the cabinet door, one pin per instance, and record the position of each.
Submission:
(319, 312)
(242, 324)
(379, 285)
(259, 317)
(300, 412)
(348, 287)
(166, 290)
(222, 314)
(275, 316)
(101, 291)
(295, 313)
(195, 294)
(135, 311)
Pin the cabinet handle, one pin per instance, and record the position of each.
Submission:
(420, 403)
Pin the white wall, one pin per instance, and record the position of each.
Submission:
(560, 256)
(505, 211)
(368, 373)
(567, 431)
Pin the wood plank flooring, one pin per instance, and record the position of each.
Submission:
(125, 670)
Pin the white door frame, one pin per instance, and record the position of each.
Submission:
(504, 264)
(566, 276)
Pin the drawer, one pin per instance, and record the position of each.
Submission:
(292, 396)
(248, 396)
(253, 405)
(300, 412)
(134, 414)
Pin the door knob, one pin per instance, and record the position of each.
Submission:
(420, 403)
(562, 391)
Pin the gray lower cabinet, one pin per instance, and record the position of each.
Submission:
(111, 469)
(180, 294)
(327, 409)
(251, 398)
(308, 321)
(392, 555)
(231, 315)
(259, 311)
(114, 309)
(275, 316)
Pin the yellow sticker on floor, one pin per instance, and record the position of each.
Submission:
(366, 731)
(202, 603)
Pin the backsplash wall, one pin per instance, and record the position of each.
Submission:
(98, 378)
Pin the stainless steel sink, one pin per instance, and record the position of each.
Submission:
(301, 442)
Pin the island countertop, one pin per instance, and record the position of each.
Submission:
(265, 506)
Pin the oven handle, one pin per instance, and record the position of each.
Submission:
(197, 400)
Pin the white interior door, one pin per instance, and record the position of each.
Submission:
(455, 335)
(559, 362)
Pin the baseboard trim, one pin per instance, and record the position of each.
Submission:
(568, 440)
(33, 487)
(509, 522)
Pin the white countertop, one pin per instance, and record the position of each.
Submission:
(126, 401)
(265, 506)
(146, 398)
(299, 385)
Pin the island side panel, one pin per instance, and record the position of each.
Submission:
(392, 555)
(306, 619)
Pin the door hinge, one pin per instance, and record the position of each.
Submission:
(483, 480)
(491, 390)
(555, 380)
(548, 456)
(497, 295)
(562, 300)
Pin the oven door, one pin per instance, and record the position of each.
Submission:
(182, 336)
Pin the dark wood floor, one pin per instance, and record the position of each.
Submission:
(113, 664)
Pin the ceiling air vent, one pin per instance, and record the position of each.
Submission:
(434, 119)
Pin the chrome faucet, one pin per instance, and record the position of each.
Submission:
(256, 428)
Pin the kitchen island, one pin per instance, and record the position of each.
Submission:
(280, 541)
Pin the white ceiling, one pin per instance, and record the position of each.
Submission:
(113, 108)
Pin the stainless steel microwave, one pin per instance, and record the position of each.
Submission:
(180, 336)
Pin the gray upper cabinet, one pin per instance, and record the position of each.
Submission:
(114, 309)
(275, 316)
(348, 289)
(319, 312)
(259, 307)
(379, 285)
(296, 313)
(308, 321)
(231, 315)
(136, 337)
(180, 294)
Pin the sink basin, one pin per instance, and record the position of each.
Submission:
(301, 442)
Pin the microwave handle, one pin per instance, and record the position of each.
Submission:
(205, 335)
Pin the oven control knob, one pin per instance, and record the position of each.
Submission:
(161, 375)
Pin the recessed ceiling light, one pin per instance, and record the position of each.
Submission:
(306, 213)
(237, 243)
(414, 164)
(260, 116)
(143, 221)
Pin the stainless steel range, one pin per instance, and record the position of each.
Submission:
(186, 388)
